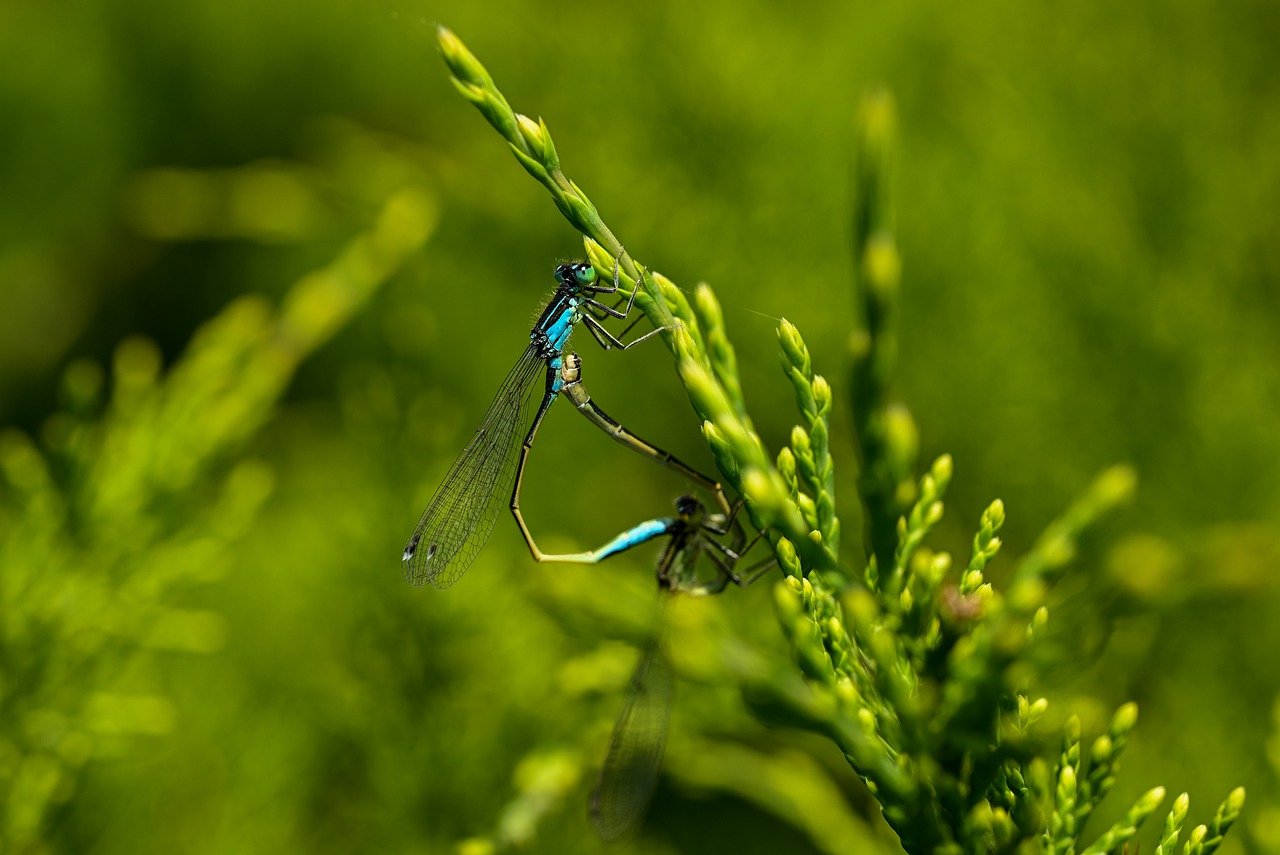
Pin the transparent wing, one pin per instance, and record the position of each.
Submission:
(631, 768)
(462, 513)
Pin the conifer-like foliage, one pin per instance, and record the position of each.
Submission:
(122, 507)
(913, 664)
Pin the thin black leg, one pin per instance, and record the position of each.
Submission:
(603, 309)
(608, 340)
(630, 327)
(755, 571)
(727, 523)
(724, 573)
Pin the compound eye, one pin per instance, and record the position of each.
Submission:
(584, 273)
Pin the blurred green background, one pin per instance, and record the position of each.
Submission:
(207, 643)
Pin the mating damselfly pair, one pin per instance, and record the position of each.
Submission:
(464, 509)
(461, 515)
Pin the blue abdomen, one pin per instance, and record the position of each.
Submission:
(635, 536)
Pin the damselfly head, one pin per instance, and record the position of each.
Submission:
(688, 507)
(576, 274)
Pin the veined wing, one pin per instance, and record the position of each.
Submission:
(631, 768)
(462, 513)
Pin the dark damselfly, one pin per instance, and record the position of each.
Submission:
(630, 772)
(461, 515)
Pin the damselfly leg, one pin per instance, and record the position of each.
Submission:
(597, 311)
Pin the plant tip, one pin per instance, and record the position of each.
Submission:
(1125, 718)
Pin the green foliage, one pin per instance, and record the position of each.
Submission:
(122, 508)
(913, 676)
(887, 436)
(1083, 271)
